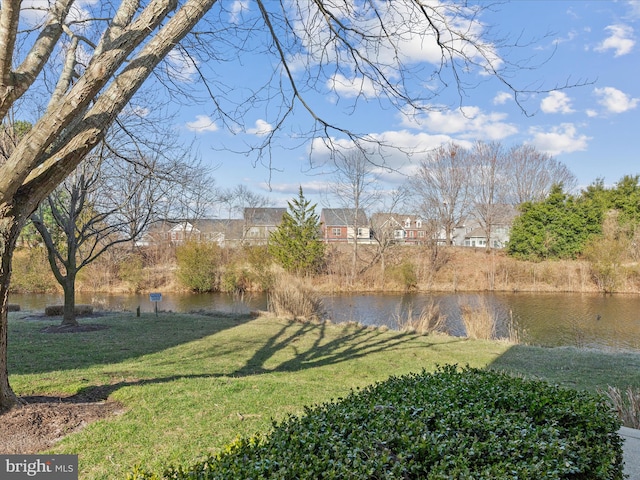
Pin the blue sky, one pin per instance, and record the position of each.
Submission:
(592, 128)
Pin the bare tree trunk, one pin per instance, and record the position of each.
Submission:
(354, 260)
(69, 311)
(9, 230)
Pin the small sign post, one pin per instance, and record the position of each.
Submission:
(155, 298)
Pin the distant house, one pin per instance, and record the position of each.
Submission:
(501, 220)
(259, 223)
(344, 225)
(253, 229)
(337, 225)
(399, 228)
(177, 232)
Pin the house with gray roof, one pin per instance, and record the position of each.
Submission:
(259, 223)
(344, 225)
(179, 231)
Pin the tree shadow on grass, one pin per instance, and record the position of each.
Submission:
(300, 346)
(355, 342)
(101, 393)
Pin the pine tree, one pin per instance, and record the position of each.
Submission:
(296, 244)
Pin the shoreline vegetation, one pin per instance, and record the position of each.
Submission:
(403, 269)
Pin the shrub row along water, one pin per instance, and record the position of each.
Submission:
(454, 423)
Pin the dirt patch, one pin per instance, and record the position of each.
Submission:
(43, 421)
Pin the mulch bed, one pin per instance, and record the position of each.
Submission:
(43, 421)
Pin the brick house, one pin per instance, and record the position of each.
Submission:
(344, 225)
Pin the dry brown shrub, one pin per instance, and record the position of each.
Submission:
(291, 297)
(479, 322)
(428, 320)
(626, 405)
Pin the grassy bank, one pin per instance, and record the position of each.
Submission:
(189, 384)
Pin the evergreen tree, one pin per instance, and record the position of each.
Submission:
(557, 227)
(296, 244)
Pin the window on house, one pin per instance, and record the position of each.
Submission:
(411, 233)
(421, 233)
(336, 232)
(398, 233)
(418, 223)
(407, 223)
(363, 232)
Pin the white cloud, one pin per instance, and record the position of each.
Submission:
(614, 100)
(352, 87)
(395, 163)
(561, 139)
(413, 41)
(261, 129)
(466, 122)
(569, 36)
(634, 7)
(308, 188)
(236, 10)
(502, 97)
(620, 40)
(556, 102)
(201, 124)
(181, 66)
(35, 12)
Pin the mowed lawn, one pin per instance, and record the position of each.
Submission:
(189, 384)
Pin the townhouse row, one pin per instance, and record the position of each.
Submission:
(338, 225)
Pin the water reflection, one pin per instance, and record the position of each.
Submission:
(543, 319)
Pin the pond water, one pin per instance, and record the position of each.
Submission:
(587, 320)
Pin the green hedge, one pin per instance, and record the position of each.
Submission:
(454, 423)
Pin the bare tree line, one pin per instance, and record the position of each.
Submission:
(453, 183)
(449, 185)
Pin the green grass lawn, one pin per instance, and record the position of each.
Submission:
(189, 384)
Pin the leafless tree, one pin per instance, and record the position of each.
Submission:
(385, 223)
(99, 54)
(355, 189)
(443, 187)
(532, 174)
(239, 198)
(103, 203)
(489, 177)
(240, 202)
(191, 195)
